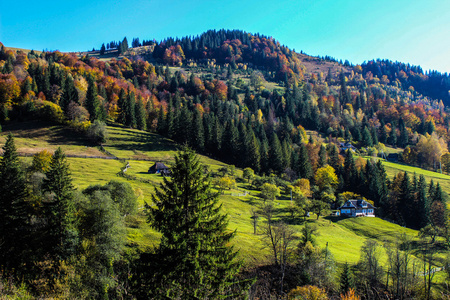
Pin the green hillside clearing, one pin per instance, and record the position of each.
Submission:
(344, 237)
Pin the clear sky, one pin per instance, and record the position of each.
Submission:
(410, 31)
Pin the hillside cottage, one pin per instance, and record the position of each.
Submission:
(357, 208)
(159, 168)
(346, 146)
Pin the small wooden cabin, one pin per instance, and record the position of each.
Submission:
(159, 168)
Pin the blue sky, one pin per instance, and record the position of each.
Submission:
(415, 32)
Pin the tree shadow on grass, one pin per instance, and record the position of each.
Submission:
(49, 132)
(335, 219)
(140, 141)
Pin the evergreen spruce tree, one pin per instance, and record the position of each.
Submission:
(244, 144)
(367, 138)
(130, 110)
(405, 202)
(70, 93)
(431, 190)
(322, 156)
(438, 194)
(197, 136)
(230, 140)
(287, 153)
(170, 120)
(122, 104)
(92, 103)
(333, 156)
(162, 128)
(276, 154)
(184, 124)
(374, 136)
(350, 173)
(141, 117)
(304, 167)
(59, 208)
(393, 136)
(264, 153)
(423, 204)
(194, 259)
(102, 49)
(13, 208)
(253, 154)
(346, 281)
(344, 95)
(403, 139)
(217, 133)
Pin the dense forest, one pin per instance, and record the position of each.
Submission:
(210, 93)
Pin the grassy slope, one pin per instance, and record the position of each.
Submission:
(344, 236)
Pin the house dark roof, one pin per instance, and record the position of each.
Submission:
(357, 204)
(158, 167)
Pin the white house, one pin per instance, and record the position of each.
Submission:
(357, 208)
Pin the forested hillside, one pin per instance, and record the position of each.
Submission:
(250, 102)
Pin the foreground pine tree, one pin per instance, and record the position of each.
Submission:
(13, 208)
(194, 259)
(62, 233)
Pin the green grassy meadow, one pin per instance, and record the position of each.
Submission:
(344, 237)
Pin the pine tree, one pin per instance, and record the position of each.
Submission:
(122, 104)
(276, 154)
(374, 136)
(230, 140)
(423, 205)
(102, 49)
(184, 124)
(253, 154)
(194, 260)
(130, 110)
(70, 93)
(393, 136)
(8, 66)
(346, 280)
(62, 234)
(350, 172)
(197, 137)
(438, 194)
(405, 202)
(170, 120)
(304, 167)
(13, 207)
(333, 156)
(322, 156)
(92, 103)
(403, 139)
(367, 138)
(141, 118)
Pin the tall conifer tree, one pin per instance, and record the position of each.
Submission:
(141, 118)
(92, 102)
(13, 207)
(423, 205)
(62, 234)
(304, 167)
(194, 258)
(276, 154)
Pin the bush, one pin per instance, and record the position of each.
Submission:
(50, 111)
(97, 132)
(308, 292)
